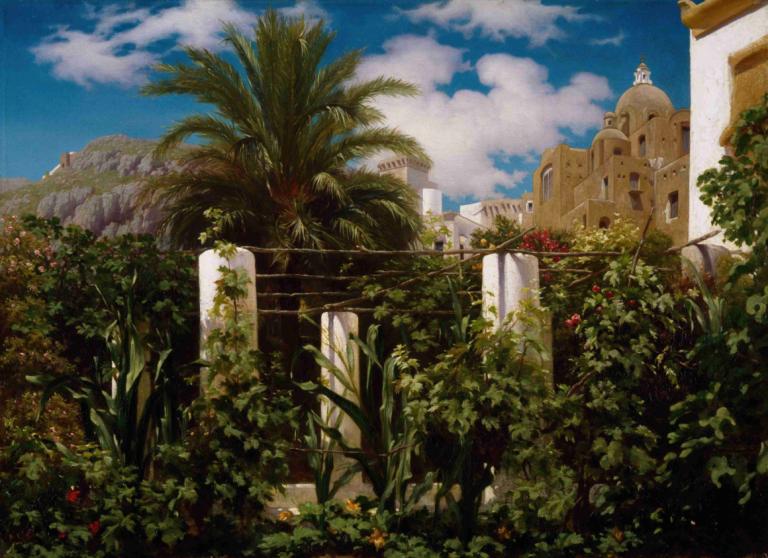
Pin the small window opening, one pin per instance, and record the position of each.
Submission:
(634, 181)
(642, 146)
(604, 223)
(636, 201)
(546, 183)
(686, 139)
(673, 206)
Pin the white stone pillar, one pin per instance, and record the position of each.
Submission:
(705, 257)
(509, 280)
(209, 263)
(336, 345)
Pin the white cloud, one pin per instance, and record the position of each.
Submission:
(615, 40)
(499, 19)
(119, 48)
(520, 115)
(310, 9)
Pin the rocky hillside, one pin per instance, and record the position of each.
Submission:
(99, 191)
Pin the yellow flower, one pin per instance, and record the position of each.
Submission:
(618, 534)
(284, 516)
(504, 533)
(377, 539)
(484, 242)
(353, 507)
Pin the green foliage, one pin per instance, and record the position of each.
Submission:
(476, 404)
(373, 401)
(286, 124)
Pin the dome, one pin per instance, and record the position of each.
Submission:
(609, 134)
(645, 98)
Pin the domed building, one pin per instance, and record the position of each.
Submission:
(637, 163)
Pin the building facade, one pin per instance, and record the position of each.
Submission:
(636, 167)
(457, 226)
(729, 73)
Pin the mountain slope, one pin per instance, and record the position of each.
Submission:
(99, 191)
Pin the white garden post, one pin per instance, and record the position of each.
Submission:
(337, 346)
(705, 257)
(509, 282)
(209, 263)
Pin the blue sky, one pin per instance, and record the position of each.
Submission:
(502, 80)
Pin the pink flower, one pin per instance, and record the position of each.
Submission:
(595, 289)
(41, 268)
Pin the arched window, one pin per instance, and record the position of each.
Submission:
(651, 116)
(604, 223)
(634, 181)
(641, 146)
(546, 183)
(529, 206)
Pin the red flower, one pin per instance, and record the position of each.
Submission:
(73, 495)
(609, 295)
(632, 303)
(573, 321)
(576, 319)
(595, 289)
(62, 535)
(94, 527)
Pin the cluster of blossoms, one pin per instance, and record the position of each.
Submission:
(21, 252)
(542, 241)
(608, 295)
(74, 497)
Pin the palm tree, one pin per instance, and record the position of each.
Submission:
(279, 144)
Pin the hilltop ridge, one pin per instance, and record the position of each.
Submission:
(98, 187)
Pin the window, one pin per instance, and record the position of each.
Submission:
(617, 150)
(604, 189)
(636, 201)
(439, 245)
(672, 206)
(634, 181)
(641, 146)
(685, 139)
(529, 206)
(546, 183)
(604, 223)
(584, 220)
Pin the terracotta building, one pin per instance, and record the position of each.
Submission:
(638, 163)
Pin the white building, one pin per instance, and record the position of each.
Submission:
(729, 73)
(458, 225)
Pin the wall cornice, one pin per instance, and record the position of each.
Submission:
(710, 14)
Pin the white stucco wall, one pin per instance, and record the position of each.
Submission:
(711, 83)
(431, 201)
